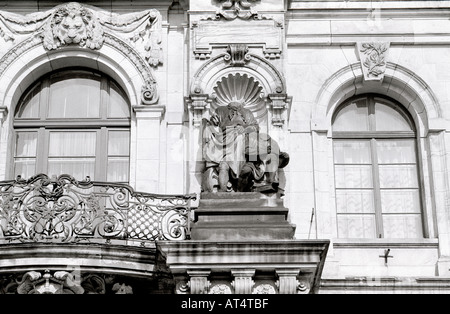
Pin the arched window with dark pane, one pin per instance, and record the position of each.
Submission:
(74, 122)
(376, 171)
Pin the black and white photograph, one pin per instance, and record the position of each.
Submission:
(216, 155)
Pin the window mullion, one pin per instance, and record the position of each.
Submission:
(377, 189)
(43, 99)
(42, 151)
(101, 156)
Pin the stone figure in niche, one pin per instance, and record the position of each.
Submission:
(238, 156)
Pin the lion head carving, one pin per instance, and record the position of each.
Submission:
(73, 24)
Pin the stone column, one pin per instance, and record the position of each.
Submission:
(147, 143)
(199, 282)
(287, 280)
(243, 281)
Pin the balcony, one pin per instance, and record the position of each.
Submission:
(58, 230)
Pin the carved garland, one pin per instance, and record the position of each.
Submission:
(86, 27)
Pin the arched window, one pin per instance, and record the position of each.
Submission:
(74, 122)
(376, 172)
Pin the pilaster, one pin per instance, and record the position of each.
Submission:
(148, 141)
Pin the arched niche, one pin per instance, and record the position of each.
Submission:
(217, 81)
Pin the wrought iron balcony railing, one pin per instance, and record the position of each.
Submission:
(62, 209)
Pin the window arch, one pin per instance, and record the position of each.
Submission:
(376, 172)
(76, 122)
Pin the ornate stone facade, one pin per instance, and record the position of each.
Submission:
(292, 64)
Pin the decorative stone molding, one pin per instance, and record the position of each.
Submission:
(264, 288)
(373, 57)
(198, 282)
(226, 27)
(221, 288)
(137, 36)
(232, 9)
(61, 282)
(85, 26)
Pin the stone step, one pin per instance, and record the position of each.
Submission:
(239, 202)
(233, 195)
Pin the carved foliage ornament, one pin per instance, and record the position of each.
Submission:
(61, 282)
(373, 57)
(232, 9)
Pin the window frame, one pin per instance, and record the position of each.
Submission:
(373, 136)
(44, 124)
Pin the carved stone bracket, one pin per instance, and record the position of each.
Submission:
(198, 105)
(373, 57)
(287, 282)
(237, 55)
(279, 105)
(243, 282)
(199, 283)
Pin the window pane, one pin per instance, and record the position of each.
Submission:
(118, 143)
(353, 117)
(400, 201)
(389, 119)
(398, 176)
(352, 152)
(356, 226)
(30, 106)
(26, 144)
(72, 144)
(351, 177)
(354, 201)
(396, 151)
(118, 106)
(118, 169)
(75, 98)
(402, 226)
(25, 167)
(79, 168)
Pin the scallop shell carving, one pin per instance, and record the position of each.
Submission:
(237, 87)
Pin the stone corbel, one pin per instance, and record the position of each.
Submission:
(373, 56)
(279, 105)
(199, 283)
(287, 281)
(198, 104)
(243, 282)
